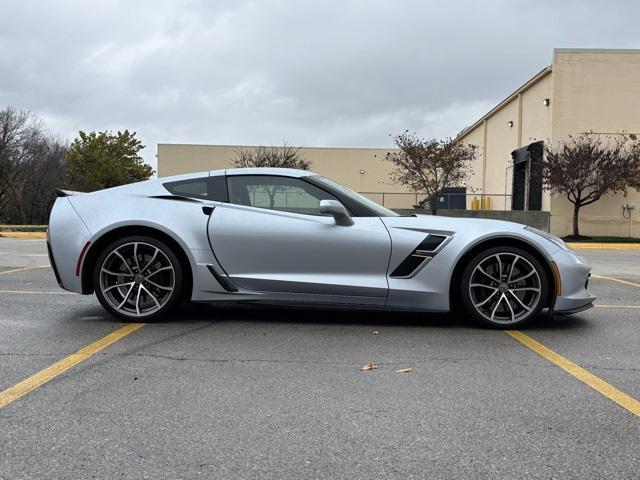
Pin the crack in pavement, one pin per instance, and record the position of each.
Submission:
(413, 361)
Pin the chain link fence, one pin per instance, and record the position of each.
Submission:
(468, 201)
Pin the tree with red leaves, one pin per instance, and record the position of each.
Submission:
(430, 165)
(588, 166)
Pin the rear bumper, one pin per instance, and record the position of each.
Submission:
(66, 237)
(574, 275)
(53, 262)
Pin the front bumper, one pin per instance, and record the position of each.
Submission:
(574, 275)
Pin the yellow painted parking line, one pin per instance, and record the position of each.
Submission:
(611, 279)
(11, 394)
(23, 234)
(37, 292)
(576, 371)
(617, 306)
(24, 269)
(603, 246)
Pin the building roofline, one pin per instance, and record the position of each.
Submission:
(523, 88)
(274, 146)
(607, 51)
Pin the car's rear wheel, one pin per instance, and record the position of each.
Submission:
(138, 278)
(504, 287)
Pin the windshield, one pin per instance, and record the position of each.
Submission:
(378, 209)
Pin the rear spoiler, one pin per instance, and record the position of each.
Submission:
(67, 193)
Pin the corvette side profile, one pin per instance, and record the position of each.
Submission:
(293, 237)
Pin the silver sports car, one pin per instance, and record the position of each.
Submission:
(289, 236)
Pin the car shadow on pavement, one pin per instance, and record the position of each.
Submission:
(196, 313)
(352, 316)
(574, 323)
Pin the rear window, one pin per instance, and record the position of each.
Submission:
(206, 188)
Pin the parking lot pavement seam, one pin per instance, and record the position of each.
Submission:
(36, 380)
(358, 364)
(612, 393)
(13, 354)
(24, 269)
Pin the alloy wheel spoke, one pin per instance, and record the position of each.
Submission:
(482, 270)
(162, 269)
(499, 267)
(126, 264)
(513, 315)
(135, 255)
(126, 297)
(519, 301)
(523, 289)
(519, 279)
(117, 285)
(153, 257)
(116, 274)
(151, 295)
(493, 312)
(482, 285)
(138, 299)
(486, 299)
(512, 265)
(169, 289)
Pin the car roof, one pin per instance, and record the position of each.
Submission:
(284, 172)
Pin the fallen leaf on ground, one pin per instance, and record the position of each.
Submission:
(369, 366)
(404, 370)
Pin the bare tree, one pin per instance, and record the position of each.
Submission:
(430, 165)
(46, 172)
(30, 167)
(585, 167)
(284, 156)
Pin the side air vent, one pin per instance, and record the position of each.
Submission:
(408, 266)
(423, 252)
(429, 245)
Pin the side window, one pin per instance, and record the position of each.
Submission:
(276, 193)
(208, 188)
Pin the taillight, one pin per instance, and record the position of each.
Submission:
(82, 253)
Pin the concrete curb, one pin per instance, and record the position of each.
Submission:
(23, 235)
(602, 246)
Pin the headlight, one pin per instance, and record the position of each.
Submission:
(552, 238)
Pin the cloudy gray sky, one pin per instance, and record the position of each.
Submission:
(317, 73)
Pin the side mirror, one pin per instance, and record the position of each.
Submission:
(337, 211)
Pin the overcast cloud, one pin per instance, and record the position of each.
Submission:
(316, 73)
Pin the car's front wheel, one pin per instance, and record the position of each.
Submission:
(504, 287)
(138, 278)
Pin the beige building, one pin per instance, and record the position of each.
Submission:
(581, 91)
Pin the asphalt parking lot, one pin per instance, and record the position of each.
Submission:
(220, 392)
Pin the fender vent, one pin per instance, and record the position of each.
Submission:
(427, 249)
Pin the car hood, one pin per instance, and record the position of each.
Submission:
(470, 230)
(452, 224)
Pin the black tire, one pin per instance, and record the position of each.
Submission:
(152, 286)
(512, 302)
